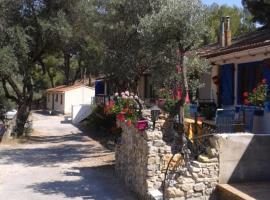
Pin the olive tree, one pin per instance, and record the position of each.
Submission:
(180, 26)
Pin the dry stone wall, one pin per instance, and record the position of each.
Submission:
(142, 159)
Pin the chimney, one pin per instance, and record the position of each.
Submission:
(222, 32)
(228, 32)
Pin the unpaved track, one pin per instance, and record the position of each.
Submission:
(58, 163)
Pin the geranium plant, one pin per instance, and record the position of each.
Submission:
(258, 95)
(126, 107)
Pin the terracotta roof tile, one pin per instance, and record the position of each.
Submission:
(64, 88)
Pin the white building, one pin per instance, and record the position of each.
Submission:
(62, 98)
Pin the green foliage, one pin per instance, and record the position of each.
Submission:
(98, 120)
(258, 95)
(241, 21)
(259, 10)
(170, 106)
(196, 67)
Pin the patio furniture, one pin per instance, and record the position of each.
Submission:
(225, 120)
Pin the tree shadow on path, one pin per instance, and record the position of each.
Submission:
(51, 156)
(99, 183)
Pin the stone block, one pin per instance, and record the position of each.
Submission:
(183, 180)
(198, 164)
(158, 143)
(199, 187)
(194, 169)
(170, 192)
(211, 152)
(187, 187)
(179, 193)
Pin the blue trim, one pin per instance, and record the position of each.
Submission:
(227, 85)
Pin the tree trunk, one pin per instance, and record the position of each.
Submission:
(50, 77)
(67, 68)
(23, 112)
(184, 87)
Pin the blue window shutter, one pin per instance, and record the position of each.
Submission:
(227, 85)
(99, 87)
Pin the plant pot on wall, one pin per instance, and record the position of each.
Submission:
(142, 125)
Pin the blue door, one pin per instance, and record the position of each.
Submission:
(227, 85)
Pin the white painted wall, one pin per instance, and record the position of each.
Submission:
(78, 96)
(58, 105)
(81, 112)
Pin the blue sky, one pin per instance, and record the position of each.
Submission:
(228, 2)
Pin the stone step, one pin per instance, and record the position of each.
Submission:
(244, 191)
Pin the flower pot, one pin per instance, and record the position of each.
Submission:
(142, 125)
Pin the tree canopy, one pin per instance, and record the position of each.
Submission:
(241, 21)
(260, 10)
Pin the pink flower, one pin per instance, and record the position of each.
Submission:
(254, 90)
(127, 93)
(245, 94)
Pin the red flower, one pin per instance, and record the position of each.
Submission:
(128, 123)
(246, 102)
(245, 94)
(264, 81)
(254, 90)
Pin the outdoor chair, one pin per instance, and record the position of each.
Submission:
(225, 120)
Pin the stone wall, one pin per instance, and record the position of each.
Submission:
(142, 159)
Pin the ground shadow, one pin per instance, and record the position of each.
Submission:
(98, 183)
(51, 156)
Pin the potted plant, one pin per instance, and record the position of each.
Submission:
(258, 97)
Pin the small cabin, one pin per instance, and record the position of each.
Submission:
(62, 98)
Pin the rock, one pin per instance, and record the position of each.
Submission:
(187, 187)
(149, 184)
(170, 192)
(179, 193)
(214, 142)
(195, 169)
(199, 187)
(186, 180)
(206, 159)
(158, 143)
(211, 152)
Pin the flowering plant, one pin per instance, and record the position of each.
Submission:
(125, 107)
(258, 95)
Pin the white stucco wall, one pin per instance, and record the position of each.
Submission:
(78, 96)
(58, 105)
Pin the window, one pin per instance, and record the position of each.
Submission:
(249, 75)
(56, 98)
(61, 99)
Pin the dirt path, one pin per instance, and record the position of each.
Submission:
(58, 163)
